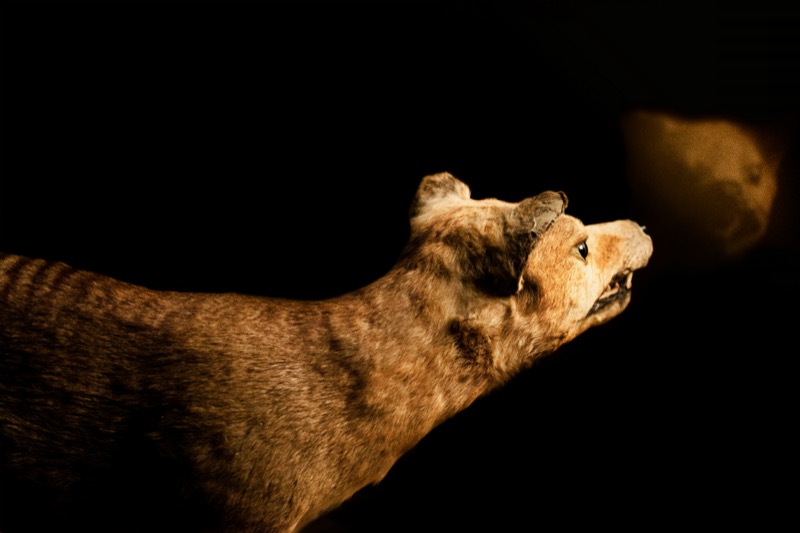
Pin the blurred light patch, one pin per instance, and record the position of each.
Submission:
(705, 188)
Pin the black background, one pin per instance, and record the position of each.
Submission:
(273, 148)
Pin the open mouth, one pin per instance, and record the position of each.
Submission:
(617, 290)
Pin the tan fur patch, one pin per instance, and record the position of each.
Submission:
(274, 411)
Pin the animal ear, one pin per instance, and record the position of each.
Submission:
(528, 221)
(498, 270)
(437, 188)
(535, 215)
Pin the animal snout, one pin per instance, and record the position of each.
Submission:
(637, 228)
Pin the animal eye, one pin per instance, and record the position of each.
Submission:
(583, 249)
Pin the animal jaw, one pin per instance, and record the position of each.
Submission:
(617, 292)
(619, 271)
(281, 409)
(580, 292)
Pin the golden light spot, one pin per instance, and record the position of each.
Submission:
(707, 185)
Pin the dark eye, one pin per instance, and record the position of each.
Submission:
(583, 249)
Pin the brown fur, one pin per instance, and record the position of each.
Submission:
(274, 411)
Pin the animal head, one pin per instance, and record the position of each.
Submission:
(528, 277)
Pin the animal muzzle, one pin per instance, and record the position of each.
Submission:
(617, 291)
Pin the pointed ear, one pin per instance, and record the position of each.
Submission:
(535, 215)
(498, 270)
(529, 220)
(437, 188)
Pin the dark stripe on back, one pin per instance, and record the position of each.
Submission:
(9, 277)
(39, 276)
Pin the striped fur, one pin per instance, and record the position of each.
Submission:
(240, 413)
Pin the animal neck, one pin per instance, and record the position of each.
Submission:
(425, 364)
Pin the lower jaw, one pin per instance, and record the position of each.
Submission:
(608, 311)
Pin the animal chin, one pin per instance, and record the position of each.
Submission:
(617, 291)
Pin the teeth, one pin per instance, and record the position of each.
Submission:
(610, 290)
(628, 280)
(621, 281)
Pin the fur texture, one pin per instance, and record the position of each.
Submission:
(270, 411)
